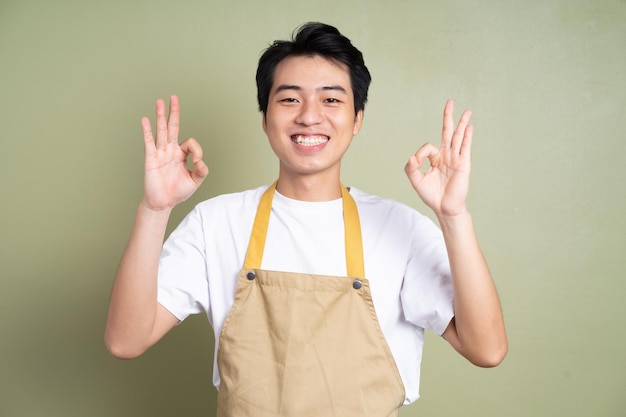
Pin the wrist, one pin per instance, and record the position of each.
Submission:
(147, 209)
(455, 222)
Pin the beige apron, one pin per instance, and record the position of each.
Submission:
(302, 345)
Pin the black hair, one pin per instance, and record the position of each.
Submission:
(313, 39)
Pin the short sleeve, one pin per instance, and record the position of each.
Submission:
(427, 294)
(182, 277)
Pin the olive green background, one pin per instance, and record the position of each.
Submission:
(546, 81)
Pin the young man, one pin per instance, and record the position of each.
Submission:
(318, 295)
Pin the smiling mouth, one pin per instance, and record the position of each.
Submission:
(309, 140)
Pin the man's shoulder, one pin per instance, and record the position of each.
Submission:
(242, 199)
(228, 206)
(372, 201)
(392, 213)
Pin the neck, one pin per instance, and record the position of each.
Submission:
(309, 188)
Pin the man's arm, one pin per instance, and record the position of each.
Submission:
(136, 320)
(477, 330)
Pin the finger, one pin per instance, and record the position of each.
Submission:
(416, 162)
(191, 146)
(459, 133)
(173, 121)
(466, 147)
(412, 171)
(161, 124)
(428, 151)
(448, 124)
(148, 139)
(200, 171)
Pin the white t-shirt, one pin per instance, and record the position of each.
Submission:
(405, 262)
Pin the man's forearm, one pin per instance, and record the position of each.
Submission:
(133, 305)
(479, 325)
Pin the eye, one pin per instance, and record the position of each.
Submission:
(332, 100)
(288, 100)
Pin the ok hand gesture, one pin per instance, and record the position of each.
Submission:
(444, 186)
(167, 180)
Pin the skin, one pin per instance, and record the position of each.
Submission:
(477, 331)
(311, 97)
(136, 320)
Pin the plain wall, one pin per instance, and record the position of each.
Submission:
(546, 81)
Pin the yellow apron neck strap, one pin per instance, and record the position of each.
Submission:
(354, 241)
(259, 230)
(352, 227)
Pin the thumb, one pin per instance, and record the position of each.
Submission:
(412, 171)
(200, 171)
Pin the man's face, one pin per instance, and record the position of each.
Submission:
(310, 118)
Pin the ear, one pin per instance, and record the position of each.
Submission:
(358, 122)
(264, 123)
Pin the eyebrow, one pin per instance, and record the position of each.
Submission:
(284, 87)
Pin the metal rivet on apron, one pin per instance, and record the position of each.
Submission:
(251, 276)
(357, 284)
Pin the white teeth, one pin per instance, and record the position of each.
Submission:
(310, 140)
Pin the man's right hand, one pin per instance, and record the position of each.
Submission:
(167, 180)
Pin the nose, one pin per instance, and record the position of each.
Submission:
(311, 113)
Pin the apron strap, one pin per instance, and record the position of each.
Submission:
(352, 232)
(259, 229)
